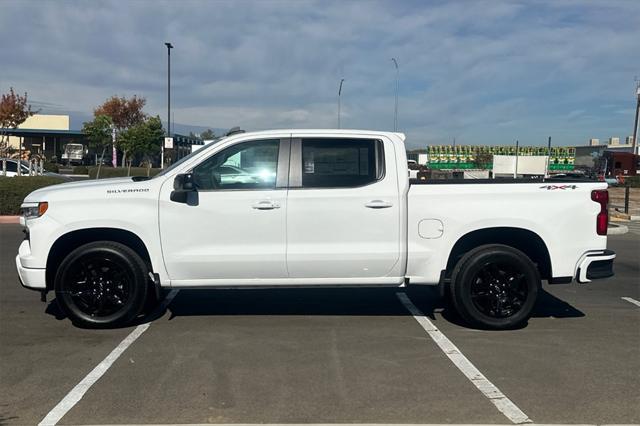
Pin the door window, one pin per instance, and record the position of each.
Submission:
(341, 163)
(11, 166)
(248, 165)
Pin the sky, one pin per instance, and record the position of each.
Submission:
(482, 72)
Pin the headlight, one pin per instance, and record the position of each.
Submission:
(33, 210)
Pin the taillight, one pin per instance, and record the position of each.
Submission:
(601, 196)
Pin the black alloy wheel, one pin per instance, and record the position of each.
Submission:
(499, 290)
(101, 284)
(495, 287)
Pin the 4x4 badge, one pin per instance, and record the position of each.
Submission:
(553, 187)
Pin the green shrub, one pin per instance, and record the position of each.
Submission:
(13, 190)
(52, 167)
(80, 170)
(632, 181)
(111, 172)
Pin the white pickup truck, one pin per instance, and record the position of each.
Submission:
(309, 208)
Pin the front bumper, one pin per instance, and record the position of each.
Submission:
(594, 265)
(31, 278)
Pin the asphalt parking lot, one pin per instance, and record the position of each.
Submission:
(325, 356)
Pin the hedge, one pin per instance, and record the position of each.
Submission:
(52, 167)
(13, 190)
(111, 172)
(80, 170)
(632, 181)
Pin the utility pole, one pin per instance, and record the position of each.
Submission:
(395, 115)
(635, 126)
(339, 100)
(515, 172)
(169, 47)
(548, 157)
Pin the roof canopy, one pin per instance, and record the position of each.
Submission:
(40, 132)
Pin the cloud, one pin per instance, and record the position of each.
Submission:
(483, 72)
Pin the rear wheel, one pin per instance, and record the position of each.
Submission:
(495, 286)
(101, 284)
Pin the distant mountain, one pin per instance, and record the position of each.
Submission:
(184, 129)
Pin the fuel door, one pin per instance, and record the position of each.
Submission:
(430, 228)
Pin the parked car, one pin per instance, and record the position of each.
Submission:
(74, 154)
(12, 169)
(339, 211)
(414, 168)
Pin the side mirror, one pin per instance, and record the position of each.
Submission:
(182, 185)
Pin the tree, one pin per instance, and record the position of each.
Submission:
(14, 110)
(207, 135)
(142, 139)
(99, 133)
(124, 113)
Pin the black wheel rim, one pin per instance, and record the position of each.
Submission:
(98, 285)
(499, 289)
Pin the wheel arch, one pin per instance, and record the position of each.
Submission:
(525, 240)
(76, 238)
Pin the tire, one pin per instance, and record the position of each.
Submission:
(102, 285)
(495, 287)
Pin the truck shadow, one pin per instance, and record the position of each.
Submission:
(337, 302)
(324, 302)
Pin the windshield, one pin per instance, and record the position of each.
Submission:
(183, 159)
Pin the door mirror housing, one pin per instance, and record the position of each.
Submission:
(183, 184)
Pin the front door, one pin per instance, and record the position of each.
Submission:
(343, 210)
(234, 228)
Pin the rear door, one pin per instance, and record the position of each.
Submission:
(343, 209)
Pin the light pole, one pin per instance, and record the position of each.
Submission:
(635, 125)
(395, 115)
(169, 47)
(339, 100)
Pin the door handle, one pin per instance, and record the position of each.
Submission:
(266, 205)
(378, 204)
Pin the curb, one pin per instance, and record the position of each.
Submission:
(9, 219)
(72, 175)
(617, 229)
(619, 215)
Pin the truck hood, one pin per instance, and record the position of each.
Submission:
(88, 186)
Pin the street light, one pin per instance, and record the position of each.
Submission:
(339, 96)
(635, 124)
(395, 116)
(169, 47)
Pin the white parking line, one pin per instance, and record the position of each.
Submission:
(76, 394)
(488, 389)
(356, 424)
(630, 300)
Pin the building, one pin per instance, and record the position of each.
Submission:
(43, 136)
(628, 140)
(614, 141)
(182, 145)
(463, 157)
(594, 142)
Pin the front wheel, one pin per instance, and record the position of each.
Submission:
(101, 284)
(495, 287)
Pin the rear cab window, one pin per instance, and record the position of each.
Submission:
(341, 162)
